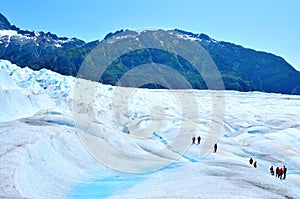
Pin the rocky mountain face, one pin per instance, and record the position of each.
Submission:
(260, 71)
(4, 23)
(241, 69)
(22, 46)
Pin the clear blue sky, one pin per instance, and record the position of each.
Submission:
(267, 25)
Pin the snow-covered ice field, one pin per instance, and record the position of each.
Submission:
(42, 151)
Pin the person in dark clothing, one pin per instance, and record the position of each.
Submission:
(280, 173)
(215, 148)
(193, 140)
(255, 164)
(272, 170)
(284, 172)
(251, 160)
(277, 172)
(198, 139)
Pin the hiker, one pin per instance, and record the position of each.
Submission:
(280, 173)
(255, 164)
(277, 172)
(251, 160)
(199, 139)
(284, 172)
(272, 170)
(215, 148)
(193, 140)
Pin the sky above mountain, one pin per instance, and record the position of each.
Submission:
(270, 26)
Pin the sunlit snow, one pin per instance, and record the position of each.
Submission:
(42, 156)
(6, 36)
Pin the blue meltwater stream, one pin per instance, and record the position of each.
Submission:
(108, 183)
(102, 186)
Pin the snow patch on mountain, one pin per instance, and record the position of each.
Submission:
(24, 36)
(8, 33)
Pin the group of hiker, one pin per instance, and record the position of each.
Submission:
(251, 161)
(194, 139)
(279, 172)
(199, 140)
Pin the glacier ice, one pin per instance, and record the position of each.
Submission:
(42, 156)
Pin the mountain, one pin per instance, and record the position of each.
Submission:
(4, 23)
(22, 46)
(241, 69)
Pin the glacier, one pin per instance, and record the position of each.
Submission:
(42, 154)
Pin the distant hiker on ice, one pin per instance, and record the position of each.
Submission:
(215, 148)
(193, 140)
(251, 160)
(272, 170)
(198, 139)
(280, 173)
(277, 172)
(284, 172)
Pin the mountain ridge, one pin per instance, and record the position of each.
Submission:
(242, 69)
(4, 23)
